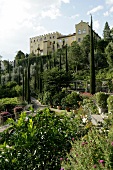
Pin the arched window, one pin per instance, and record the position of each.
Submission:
(79, 31)
(84, 31)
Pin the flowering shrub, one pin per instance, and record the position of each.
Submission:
(101, 99)
(39, 142)
(93, 151)
(86, 95)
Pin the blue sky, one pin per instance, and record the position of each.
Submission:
(22, 19)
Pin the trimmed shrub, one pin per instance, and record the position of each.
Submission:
(101, 99)
(110, 104)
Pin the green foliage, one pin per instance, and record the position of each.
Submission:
(19, 55)
(101, 45)
(106, 32)
(101, 99)
(47, 98)
(92, 62)
(72, 100)
(37, 142)
(90, 106)
(54, 80)
(75, 56)
(110, 104)
(93, 151)
(10, 89)
(9, 103)
(109, 54)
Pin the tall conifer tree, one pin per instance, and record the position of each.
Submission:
(92, 62)
(28, 81)
(0, 72)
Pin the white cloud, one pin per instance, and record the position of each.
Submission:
(74, 16)
(52, 13)
(65, 1)
(21, 20)
(111, 9)
(98, 8)
(110, 2)
(106, 13)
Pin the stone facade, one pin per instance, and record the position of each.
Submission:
(48, 43)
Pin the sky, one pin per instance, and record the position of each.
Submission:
(21, 20)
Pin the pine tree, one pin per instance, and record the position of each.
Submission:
(92, 63)
(106, 32)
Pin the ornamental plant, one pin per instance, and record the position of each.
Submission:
(93, 151)
(101, 99)
(38, 142)
(110, 104)
(72, 100)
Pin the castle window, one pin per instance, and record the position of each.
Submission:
(79, 31)
(44, 38)
(84, 31)
(79, 39)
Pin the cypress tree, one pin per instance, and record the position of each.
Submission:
(25, 92)
(60, 62)
(19, 75)
(40, 79)
(0, 72)
(23, 87)
(35, 79)
(9, 71)
(66, 60)
(37, 75)
(28, 82)
(92, 63)
(54, 60)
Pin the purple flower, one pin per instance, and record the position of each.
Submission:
(83, 143)
(73, 139)
(95, 166)
(76, 154)
(101, 161)
(86, 142)
(112, 143)
(62, 169)
(61, 159)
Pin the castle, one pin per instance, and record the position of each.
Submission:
(48, 43)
